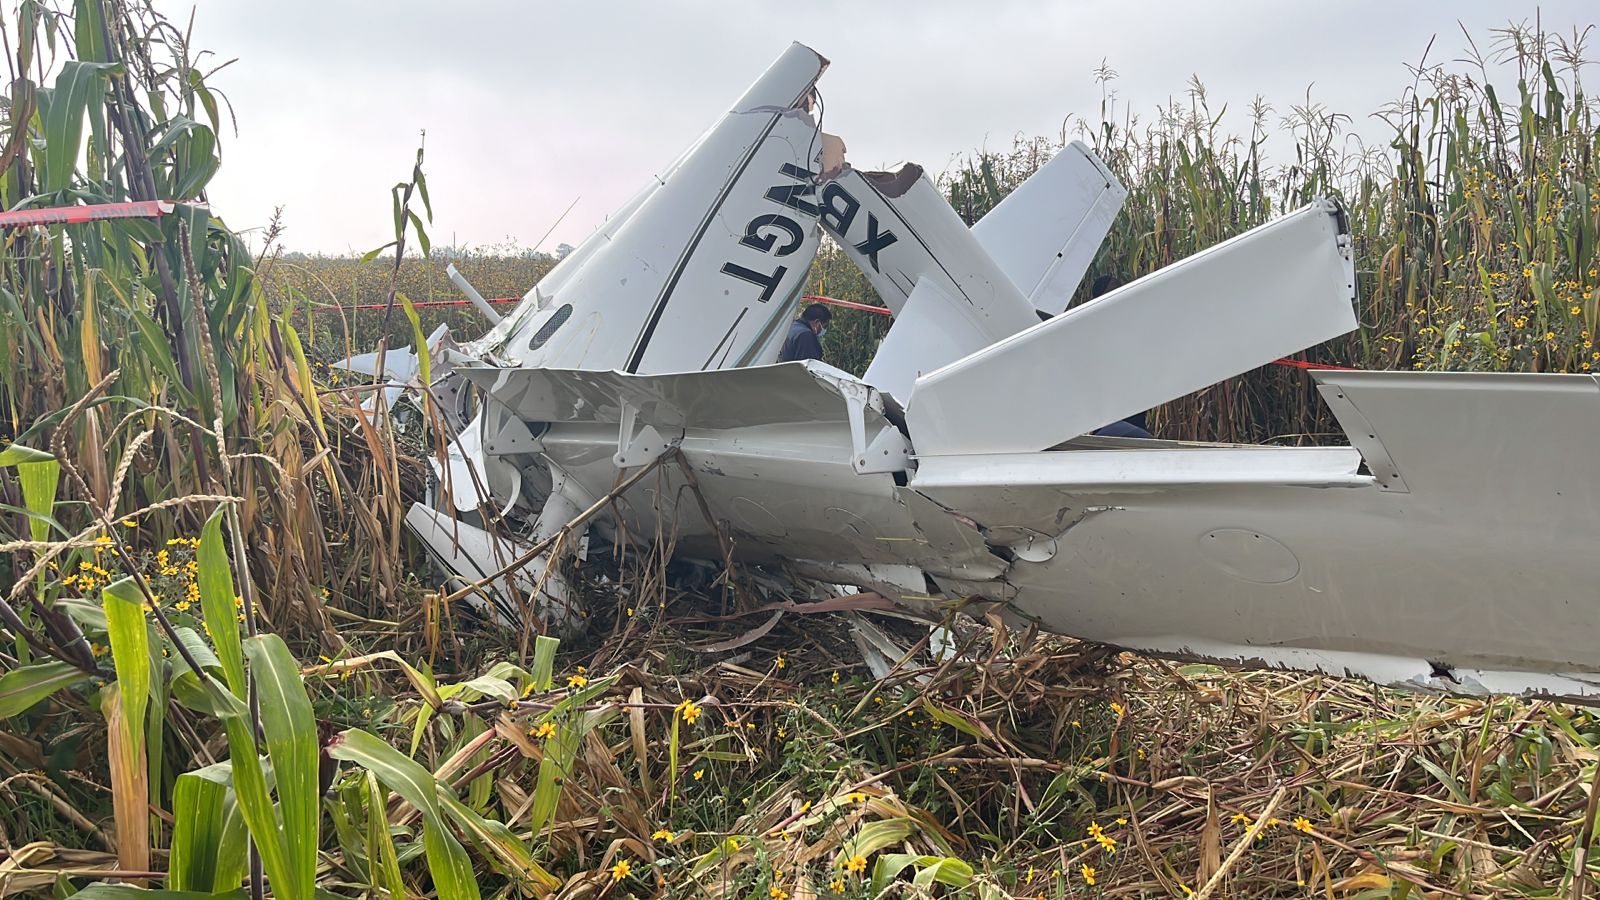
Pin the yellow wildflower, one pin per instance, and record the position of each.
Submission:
(662, 835)
(855, 797)
(781, 661)
(835, 677)
(1106, 841)
(777, 893)
(620, 870)
(544, 730)
(699, 774)
(1301, 823)
(1117, 708)
(689, 711)
(576, 681)
(1088, 874)
(855, 865)
(836, 885)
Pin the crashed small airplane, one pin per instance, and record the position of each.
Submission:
(1449, 547)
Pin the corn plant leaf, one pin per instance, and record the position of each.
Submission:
(447, 859)
(208, 846)
(16, 453)
(386, 864)
(77, 85)
(512, 855)
(215, 580)
(255, 803)
(875, 836)
(130, 648)
(290, 731)
(25, 686)
(125, 756)
(572, 724)
(418, 340)
(946, 870)
(452, 873)
(106, 891)
(398, 772)
(39, 480)
(544, 661)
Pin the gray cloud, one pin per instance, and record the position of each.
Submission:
(528, 106)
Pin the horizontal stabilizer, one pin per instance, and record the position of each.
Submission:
(1274, 290)
(1045, 234)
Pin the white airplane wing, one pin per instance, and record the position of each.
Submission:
(1274, 290)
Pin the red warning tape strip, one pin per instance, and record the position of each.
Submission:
(73, 215)
(415, 304)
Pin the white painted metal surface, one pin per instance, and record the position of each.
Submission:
(700, 272)
(1449, 548)
(949, 296)
(1045, 233)
(1271, 291)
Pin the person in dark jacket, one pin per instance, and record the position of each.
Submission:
(804, 340)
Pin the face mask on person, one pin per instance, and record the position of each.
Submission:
(823, 332)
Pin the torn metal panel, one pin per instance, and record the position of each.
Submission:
(473, 555)
(1045, 233)
(779, 394)
(1391, 671)
(1273, 290)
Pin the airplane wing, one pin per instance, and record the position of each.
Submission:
(1274, 290)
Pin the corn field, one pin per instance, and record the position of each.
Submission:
(223, 673)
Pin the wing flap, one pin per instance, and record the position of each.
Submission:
(1271, 291)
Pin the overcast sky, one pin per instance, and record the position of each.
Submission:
(530, 106)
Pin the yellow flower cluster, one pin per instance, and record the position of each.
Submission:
(1106, 841)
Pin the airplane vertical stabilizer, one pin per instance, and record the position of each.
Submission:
(696, 271)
